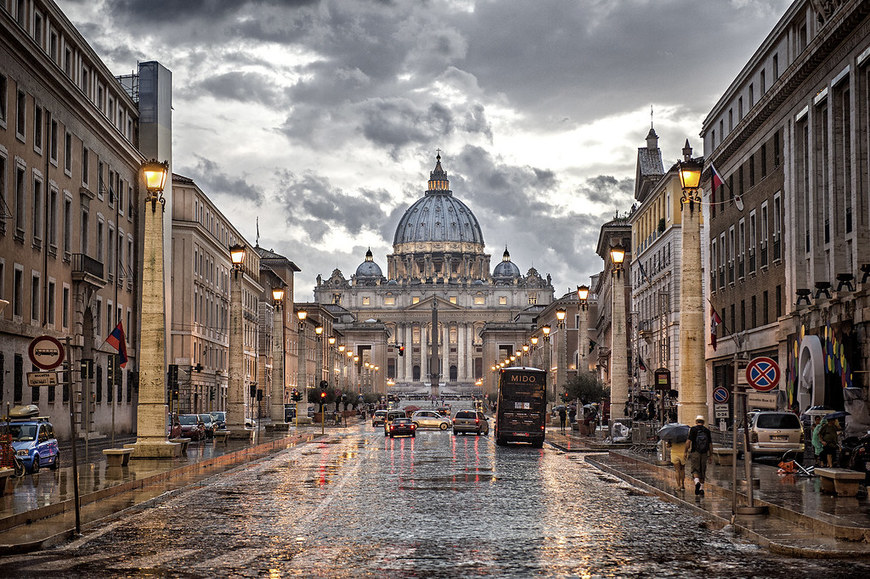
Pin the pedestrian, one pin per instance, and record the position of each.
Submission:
(828, 435)
(698, 447)
(678, 459)
(563, 415)
(572, 415)
(817, 442)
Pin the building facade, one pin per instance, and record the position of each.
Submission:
(424, 321)
(789, 229)
(70, 223)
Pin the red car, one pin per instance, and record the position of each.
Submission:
(403, 427)
(191, 426)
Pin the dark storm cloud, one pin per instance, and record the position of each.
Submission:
(238, 86)
(312, 202)
(212, 181)
(173, 11)
(608, 190)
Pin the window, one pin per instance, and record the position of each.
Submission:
(67, 62)
(763, 161)
(741, 248)
(37, 129)
(452, 299)
(18, 292)
(502, 300)
(52, 46)
(389, 300)
(763, 83)
(37, 209)
(765, 306)
(20, 199)
(110, 256)
(732, 251)
(751, 242)
(64, 307)
(67, 154)
(714, 259)
(730, 120)
(751, 95)
(34, 297)
(50, 310)
(52, 219)
(85, 163)
(100, 229)
(3, 87)
(52, 145)
(366, 301)
(775, 66)
(21, 115)
(777, 226)
(739, 109)
(67, 226)
(415, 300)
(722, 259)
(480, 300)
(4, 201)
(752, 170)
(84, 231)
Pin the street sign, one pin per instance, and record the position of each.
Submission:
(720, 395)
(46, 352)
(762, 373)
(720, 410)
(35, 379)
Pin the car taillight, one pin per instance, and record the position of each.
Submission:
(753, 437)
(477, 421)
(413, 427)
(392, 427)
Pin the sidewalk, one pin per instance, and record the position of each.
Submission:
(41, 510)
(801, 521)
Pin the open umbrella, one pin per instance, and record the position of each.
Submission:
(839, 415)
(674, 432)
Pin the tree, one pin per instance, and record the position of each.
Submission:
(587, 387)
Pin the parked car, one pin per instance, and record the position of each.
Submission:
(467, 421)
(209, 424)
(220, 420)
(443, 410)
(34, 442)
(402, 427)
(378, 418)
(191, 426)
(390, 416)
(775, 433)
(430, 419)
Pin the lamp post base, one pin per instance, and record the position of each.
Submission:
(154, 449)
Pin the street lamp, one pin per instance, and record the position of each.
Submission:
(693, 378)
(618, 343)
(279, 382)
(318, 353)
(301, 380)
(151, 410)
(583, 298)
(236, 383)
(562, 352)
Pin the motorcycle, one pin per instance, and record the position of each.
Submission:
(855, 455)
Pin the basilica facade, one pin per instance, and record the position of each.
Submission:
(440, 317)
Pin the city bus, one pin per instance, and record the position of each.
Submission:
(521, 407)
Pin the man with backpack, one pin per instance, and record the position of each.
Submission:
(699, 446)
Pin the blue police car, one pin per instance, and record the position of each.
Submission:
(34, 442)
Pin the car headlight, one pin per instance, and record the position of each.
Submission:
(23, 452)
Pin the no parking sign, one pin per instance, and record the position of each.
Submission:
(762, 373)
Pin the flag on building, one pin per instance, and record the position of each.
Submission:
(116, 340)
(717, 180)
(715, 320)
(640, 364)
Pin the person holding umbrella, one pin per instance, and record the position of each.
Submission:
(675, 435)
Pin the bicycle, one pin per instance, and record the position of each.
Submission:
(8, 458)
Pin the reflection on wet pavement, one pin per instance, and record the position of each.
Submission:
(357, 504)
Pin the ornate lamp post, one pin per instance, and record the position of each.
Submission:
(356, 367)
(301, 380)
(342, 362)
(548, 363)
(693, 378)
(151, 410)
(236, 383)
(618, 352)
(582, 331)
(562, 352)
(318, 354)
(279, 382)
(332, 366)
(536, 354)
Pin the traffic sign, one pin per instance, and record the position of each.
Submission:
(46, 352)
(35, 379)
(762, 373)
(720, 410)
(720, 395)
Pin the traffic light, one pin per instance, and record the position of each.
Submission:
(324, 385)
(253, 389)
(322, 396)
(401, 350)
(296, 396)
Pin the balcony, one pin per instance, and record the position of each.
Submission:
(88, 270)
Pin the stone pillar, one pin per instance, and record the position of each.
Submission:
(693, 377)
(618, 348)
(462, 354)
(151, 411)
(279, 366)
(424, 355)
(236, 362)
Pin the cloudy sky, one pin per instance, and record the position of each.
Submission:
(322, 117)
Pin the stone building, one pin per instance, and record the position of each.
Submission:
(790, 227)
(438, 319)
(71, 148)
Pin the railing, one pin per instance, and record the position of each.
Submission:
(85, 264)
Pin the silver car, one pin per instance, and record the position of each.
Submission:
(466, 421)
(431, 419)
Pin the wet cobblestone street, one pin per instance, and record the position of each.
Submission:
(356, 504)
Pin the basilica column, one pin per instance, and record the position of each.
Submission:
(461, 330)
(424, 354)
(409, 352)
